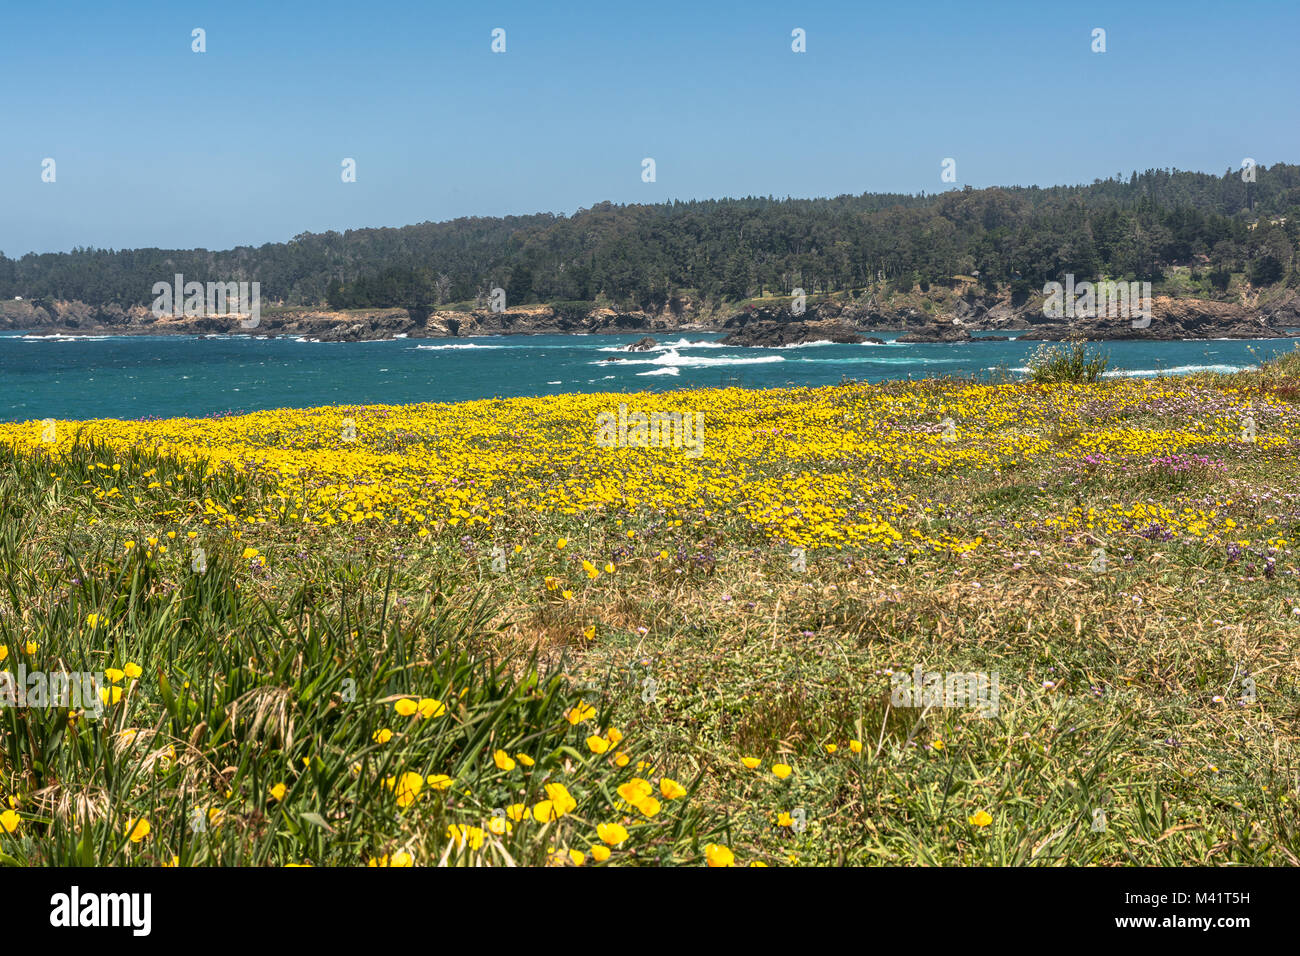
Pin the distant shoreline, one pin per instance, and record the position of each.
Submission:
(940, 315)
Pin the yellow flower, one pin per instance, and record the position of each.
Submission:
(621, 759)
(648, 805)
(784, 819)
(611, 833)
(937, 745)
(580, 712)
(560, 797)
(132, 670)
(92, 619)
(382, 736)
(855, 746)
(30, 647)
(129, 545)
(278, 791)
(9, 821)
(499, 825)
(406, 707)
(718, 855)
(635, 790)
(516, 811)
(831, 748)
(590, 632)
(600, 853)
(751, 763)
(557, 804)
(614, 736)
(250, 553)
(597, 745)
(440, 781)
(561, 542)
(114, 675)
(526, 760)
(671, 789)
(503, 760)
(980, 819)
(609, 567)
(429, 707)
(4, 651)
(567, 595)
(137, 829)
(400, 858)
(782, 770)
(473, 836)
(110, 695)
(565, 857)
(406, 788)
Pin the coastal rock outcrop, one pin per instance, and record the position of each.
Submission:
(1170, 320)
(939, 331)
(776, 334)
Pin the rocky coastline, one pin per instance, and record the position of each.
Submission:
(841, 319)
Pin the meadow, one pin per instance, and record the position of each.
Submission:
(472, 634)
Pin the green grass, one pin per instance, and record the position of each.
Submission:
(1126, 733)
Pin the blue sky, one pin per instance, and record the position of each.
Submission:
(158, 146)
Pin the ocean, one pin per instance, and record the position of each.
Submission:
(133, 377)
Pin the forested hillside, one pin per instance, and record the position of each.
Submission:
(640, 256)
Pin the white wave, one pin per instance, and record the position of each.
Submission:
(460, 345)
(1176, 370)
(60, 337)
(676, 360)
(666, 370)
(687, 344)
(877, 360)
(668, 346)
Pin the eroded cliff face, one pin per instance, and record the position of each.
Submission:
(355, 325)
(941, 318)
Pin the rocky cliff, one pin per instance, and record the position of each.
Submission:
(939, 318)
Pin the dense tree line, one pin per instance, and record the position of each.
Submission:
(729, 249)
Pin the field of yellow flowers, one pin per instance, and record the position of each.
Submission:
(483, 634)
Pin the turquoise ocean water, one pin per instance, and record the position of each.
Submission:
(134, 377)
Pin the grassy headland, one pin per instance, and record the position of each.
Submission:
(472, 633)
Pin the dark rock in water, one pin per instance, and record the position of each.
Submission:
(642, 345)
(941, 332)
(615, 358)
(990, 338)
(769, 334)
(1170, 320)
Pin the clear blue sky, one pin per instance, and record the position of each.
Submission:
(158, 146)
